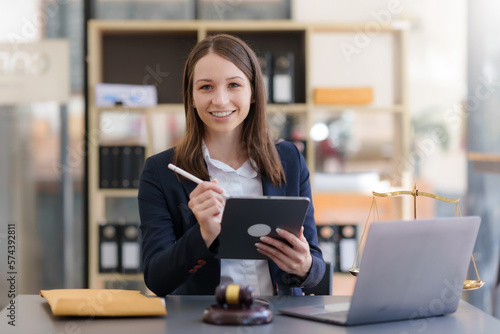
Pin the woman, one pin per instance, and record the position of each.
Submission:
(226, 141)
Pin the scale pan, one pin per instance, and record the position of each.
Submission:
(472, 284)
(354, 271)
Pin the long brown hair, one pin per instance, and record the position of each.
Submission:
(256, 137)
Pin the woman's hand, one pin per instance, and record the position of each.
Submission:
(207, 203)
(295, 260)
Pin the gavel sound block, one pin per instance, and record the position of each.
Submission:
(235, 306)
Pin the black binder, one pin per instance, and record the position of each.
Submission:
(266, 65)
(130, 249)
(283, 78)
(105, 163)
(138, 154)
(109, 257)
(115, 166)
(126, 166)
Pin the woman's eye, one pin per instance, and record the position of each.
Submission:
(205, 87)
(234, 85)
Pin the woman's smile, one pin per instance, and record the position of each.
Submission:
(221, 114)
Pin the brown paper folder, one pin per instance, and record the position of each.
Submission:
(103, 303)
(354, 95)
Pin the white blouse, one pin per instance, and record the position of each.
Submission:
(244, 181)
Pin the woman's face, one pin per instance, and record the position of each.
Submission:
(221, 95)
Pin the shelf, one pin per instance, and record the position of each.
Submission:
(118, 192)
(480, 156)
(143, 52)
(394, 27)
(160, 108)
(297, 108)
(176, 108)
(485, 162)
(396, 109)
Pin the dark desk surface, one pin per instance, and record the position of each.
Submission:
(33, 315)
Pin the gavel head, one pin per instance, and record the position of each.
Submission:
(234, 295)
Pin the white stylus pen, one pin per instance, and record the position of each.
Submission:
(190, 176)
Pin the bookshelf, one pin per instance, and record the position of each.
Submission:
(154, 52)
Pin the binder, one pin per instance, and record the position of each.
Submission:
(266, 65)
(138, 163)
(115, 166)
(326, 242)
(283, 79)
(130, 248)
(345, 247)
(109, 260)
(126, 166)
(105, 162)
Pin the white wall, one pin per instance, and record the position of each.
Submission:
(19, 20)
(436, 67)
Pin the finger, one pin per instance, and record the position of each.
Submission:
(205, 187)
(273, 253)
(301, 235)
(216, 187)
(201, 197)
(208, 216)
(211, 205)
(296, 243)
(283, 261)
(277, 244)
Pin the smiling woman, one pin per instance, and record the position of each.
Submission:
(227, 143)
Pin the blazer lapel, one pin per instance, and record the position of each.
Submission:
(188, 186)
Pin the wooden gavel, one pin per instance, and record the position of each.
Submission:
(234, 296)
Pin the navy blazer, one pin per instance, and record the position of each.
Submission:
(175, 257)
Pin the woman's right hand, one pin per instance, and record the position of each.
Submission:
(207, 203)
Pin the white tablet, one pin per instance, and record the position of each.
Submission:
(246, 219)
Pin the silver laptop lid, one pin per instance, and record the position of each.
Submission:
(413, 269)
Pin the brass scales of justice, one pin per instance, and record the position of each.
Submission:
(468, 284)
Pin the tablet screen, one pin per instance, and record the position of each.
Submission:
(246, 219)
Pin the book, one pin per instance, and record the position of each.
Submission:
(115, 167)
(283, 84)
(345, 247)
(138, 155)
(354, 95)
(110, 95)
(126, 167)
(105, 162)
(130, 249)
(109, 256)
(266, 65)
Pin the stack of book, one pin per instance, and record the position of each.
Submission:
(120, 166)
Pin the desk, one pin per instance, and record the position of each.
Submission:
(33, 315)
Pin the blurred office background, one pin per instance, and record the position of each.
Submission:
(453, 80)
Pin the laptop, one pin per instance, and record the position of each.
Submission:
(409, 270)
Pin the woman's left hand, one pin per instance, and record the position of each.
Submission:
(295, 260)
